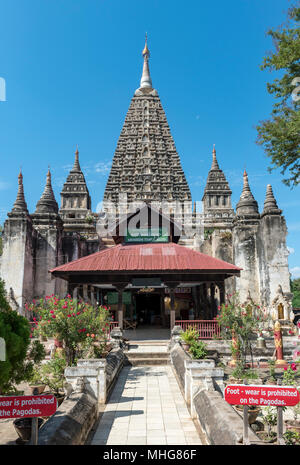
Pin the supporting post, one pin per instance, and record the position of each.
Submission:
(246, 423)
(172, 286)
(34, 431)
(172, 310)
(120, 308)
(280, 440)
(120, 288)
(93, 300)
(85, 292)
(34, 425)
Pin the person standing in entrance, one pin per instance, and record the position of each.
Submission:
(191, 312)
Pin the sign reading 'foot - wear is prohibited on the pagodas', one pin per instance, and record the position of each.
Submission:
(278, 396)
(27, 406)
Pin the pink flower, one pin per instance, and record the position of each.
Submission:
(294, 366)
(53, 316)
(69, 316)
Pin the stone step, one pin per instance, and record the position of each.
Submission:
(149, 343)
(138, 354)
(148, 361)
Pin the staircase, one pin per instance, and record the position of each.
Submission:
(142, 353)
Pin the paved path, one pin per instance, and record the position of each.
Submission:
(146, 407)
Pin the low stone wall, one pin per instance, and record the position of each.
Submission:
(203, 385)
(178, 357)
(220, 422)
(89, 385)
(99, 374)
(114, 364)
(72, 422)
(222, 349)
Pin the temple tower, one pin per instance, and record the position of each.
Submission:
(218, 215)
(146, 166)
(246, 241)
(79, 236)
(217, 208)
(48, 242)
(17, 258)
(273, 253)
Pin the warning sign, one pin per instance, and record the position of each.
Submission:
(27, 406)
(279, 396)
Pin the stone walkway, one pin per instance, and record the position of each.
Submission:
(146, 407)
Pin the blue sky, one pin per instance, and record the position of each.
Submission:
(71, 68)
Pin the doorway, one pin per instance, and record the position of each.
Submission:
(148, 309)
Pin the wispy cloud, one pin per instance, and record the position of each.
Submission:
(103, 168)
(291, 250)
(295, 272)
(293, 227)
(4, 185)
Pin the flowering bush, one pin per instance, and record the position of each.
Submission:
(289, 375)
(241, 320)
(71, 322)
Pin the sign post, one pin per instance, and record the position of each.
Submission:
(33, 407)
(280, 439)
(277, 396)
(246, 423)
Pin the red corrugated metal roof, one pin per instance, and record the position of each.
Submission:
(146, 257)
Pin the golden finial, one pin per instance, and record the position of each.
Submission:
(146, 50)
(77, 151)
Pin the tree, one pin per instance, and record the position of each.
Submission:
(1, 242)
(15, 330)
(74, 323)
(295, 288)
(280, 135)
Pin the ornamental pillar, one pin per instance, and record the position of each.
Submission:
(120, 289)
(278, 344)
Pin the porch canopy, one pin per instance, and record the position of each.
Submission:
(141, 265)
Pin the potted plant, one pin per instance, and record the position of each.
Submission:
(23, 428)
(188, 337)
(253, 412)
(52, 374)
(269, 419)
(36, 385)
(198, 350)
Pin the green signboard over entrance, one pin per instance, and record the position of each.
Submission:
(147, 235)
(112, 298)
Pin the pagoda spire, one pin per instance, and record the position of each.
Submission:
(146, 79)
(270, 204)
(214, 165)
(76, 166)
(47, 202)
(20, 204)
(247, 203)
